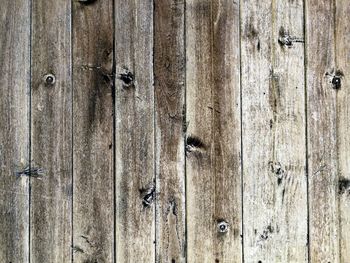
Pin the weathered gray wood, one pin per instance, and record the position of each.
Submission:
(342, 40)
(14, 130)
(169, 71)
(51, 144)
(93, 180)
(273, 115)
(134, 119)
(213, 132)
(322, 132)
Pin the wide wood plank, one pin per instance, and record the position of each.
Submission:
(342, 39)
(274, 144)
(322, 132)
(93, 180)
(134, 119)
(14, 130)
(213, 131)
(169, 71)
(51, 132)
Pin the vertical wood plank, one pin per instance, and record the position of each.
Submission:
(322, 132)
(273, 115)
(14, 130)
(134, 99)
(213, 134)
(169, 67)
(51, 144)
(342, 38)
(93, 180)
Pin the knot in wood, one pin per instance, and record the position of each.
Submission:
(49, 79)
(223, 226)
(336, 82)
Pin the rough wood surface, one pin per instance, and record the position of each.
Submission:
(342, 40)
(134, 134)
(169, 71)
(93, 180)
(51, 144)
(14, 130)
(174, 131)
(322, 132)
(273, 114)
(213, 133)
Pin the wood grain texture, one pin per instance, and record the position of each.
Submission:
(274, 144)
(93, 179)
(169, 71)
(213, 134)
(134, 106)
(342, 38)
(14, 130)
(51, 143)
(322, 132)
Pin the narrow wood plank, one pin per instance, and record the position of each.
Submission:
(322, 132)
(14, 130)
(51, 143)
(213, 134)
(169, 67)
(93, 180)
(342, 39)
(134, 99)
(273, 115)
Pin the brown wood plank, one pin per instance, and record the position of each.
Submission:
(342, 38)
(135, 174)
(322, 132)
(274, 143)
(14, 130)
(169, 71)
(51, 143)
(213, 134)
(93, 180)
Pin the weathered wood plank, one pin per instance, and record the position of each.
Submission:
(213, 134)
(169, 67)
(342, 40)
(134, 99)
(274, 143)
(51, 144)
(14, 130)
(322, 132)
(93, 180)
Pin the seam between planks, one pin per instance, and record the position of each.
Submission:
(72, 129)
(306, 132)
(154, 141)
(114, 137)
(241, 127)
(184, 122)
(30, 125)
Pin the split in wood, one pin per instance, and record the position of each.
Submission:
(49, 79)
(193, 143)
(276, 168)
(107, 76)
(147, 195)
(30, 171)
(86, 2)
(335, 78)
(285, 39)
(223, 226)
